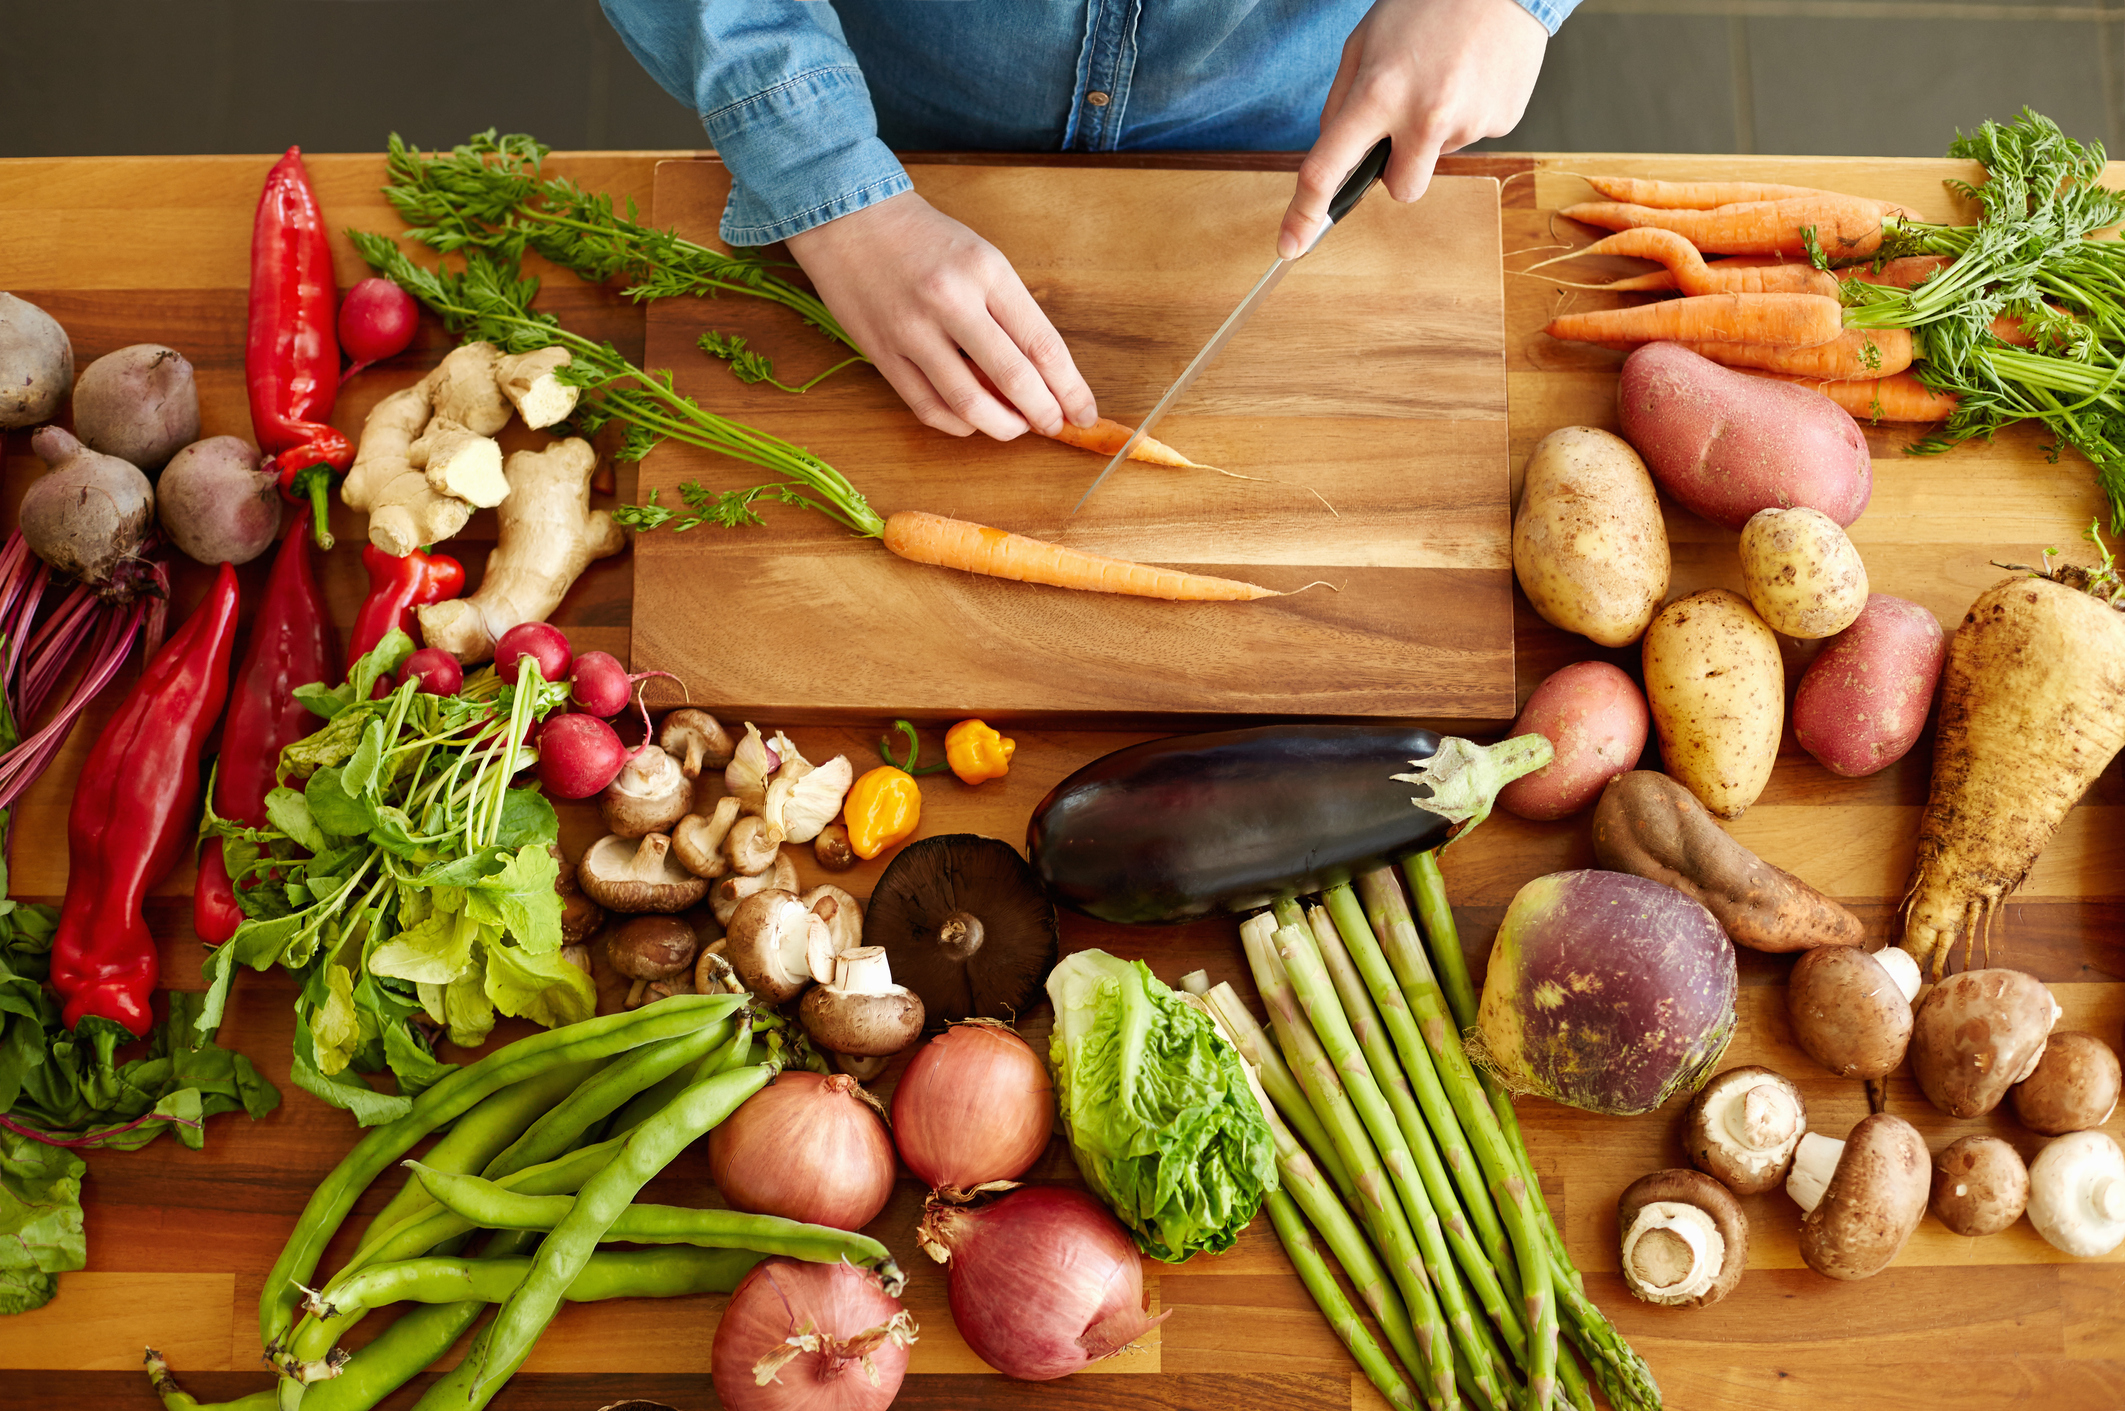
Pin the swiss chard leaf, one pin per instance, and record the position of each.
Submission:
(40, 1220)
(336, 808)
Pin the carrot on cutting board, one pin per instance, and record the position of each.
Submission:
(1106, 437)
(996, 553)
(1687, 270)
(1901, 397)
(1773, 320)
(1846, 227)
(1858, 354)
(1709, 195)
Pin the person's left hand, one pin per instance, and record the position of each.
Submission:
(1434, 75)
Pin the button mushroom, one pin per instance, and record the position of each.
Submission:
(1980, 1185)
(2074, 1087)
(1849, 1010)
(1863, 1196)
(696, 739)
(777, 945)
(1978, 1034)
(1685, 1241)
(1742, 1129)
(729, 892)
(860, 1012)
(652, 947)
(2077, 1194)
(841, 912)
(698, 839)
(965, 925)
(636, 875)
(648, 795)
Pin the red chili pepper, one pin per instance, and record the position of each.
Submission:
(132, 817)
(292, 644)
(292, 357)
(396, 587)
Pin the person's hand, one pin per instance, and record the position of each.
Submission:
(1435, 75)
(915, 289)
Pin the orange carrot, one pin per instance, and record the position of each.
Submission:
(1688, 272)
(1106, 437)
(1728, 271)
(1899, 398)
(1906, 272)
(1707, 195)
(1776, 320)
(1861, 354)
(1847, 227)
(976, 548)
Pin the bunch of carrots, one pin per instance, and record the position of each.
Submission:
(1772, 307)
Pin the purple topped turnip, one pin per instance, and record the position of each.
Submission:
(1606, 992)
(89, 515)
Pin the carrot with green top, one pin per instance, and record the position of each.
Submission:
(1687, 270)
(1860, 354)
(1901, 397)
(1904, 272)
(1769, 320)
(1843, 227)
(1710, 195)
(1727, 270)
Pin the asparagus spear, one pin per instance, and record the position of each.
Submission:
(1379, 1210)
(1283, 1089)
(1313, 1272)
(1309, 978)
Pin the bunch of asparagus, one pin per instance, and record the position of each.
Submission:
(1408, 1163)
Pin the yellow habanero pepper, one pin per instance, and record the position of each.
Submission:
(977, 752)
(883, 808)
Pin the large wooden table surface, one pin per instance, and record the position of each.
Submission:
(124, 251)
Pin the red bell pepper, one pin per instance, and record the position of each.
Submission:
(291, 359)
(396, 587)
(292, 644)
(132, 817)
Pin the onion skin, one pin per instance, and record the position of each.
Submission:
(1044, 1281)
(975, 1106)
(806, 1148)
(866, 1329)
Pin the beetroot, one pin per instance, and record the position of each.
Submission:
(1606, 992)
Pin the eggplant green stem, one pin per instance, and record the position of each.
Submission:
(1461, 780)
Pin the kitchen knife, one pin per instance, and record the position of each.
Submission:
(1354, 186)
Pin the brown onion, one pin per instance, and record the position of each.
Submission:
(805, 1148)
(810, 1337)
(975, 1106)
(1043, 1280)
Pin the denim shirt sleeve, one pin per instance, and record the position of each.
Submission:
(783, 103)
(1552, 13)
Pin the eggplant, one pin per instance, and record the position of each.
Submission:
(1194, 825)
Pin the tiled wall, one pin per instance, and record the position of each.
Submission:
(1881, 77)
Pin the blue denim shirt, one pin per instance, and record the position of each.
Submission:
(806, 101)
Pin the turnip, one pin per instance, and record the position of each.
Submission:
(139, 404)
(2032, 711)
(578, 756)
(377, 320)
(437, 671)
(543, 642)
(90, 514)
(215, 503)
(36, 364)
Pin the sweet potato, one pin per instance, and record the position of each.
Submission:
(1650, 826)
(1726, 445)
(1595, 719)
(1865, 697)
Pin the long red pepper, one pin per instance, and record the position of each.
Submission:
(132, 817)
(292, 644)
(396, 587)
(291, 360)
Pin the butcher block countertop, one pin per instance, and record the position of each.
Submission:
(132, 250)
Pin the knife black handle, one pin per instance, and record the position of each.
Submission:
(1359, 181)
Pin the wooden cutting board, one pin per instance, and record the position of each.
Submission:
(1367, 396)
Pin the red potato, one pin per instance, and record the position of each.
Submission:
(1864, 699)
(1595, 718)
(1726, 444)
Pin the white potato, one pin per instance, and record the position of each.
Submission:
(1717, 690)
(1803, 575)
(1589, 545)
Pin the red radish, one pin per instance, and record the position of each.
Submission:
(810, 1337)
(377, 320)
(439, 672)
(599, 685)
(578, 755)
(543, 642)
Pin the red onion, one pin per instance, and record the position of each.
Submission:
(810, 1337)
(974, 1107)
(805, 1148)
(1043, 1280)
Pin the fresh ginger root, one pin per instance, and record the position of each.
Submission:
(528, 380)
(458, 401)
(549, 535)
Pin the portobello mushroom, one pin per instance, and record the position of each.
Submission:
(964, 926)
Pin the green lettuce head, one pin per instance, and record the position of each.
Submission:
(1160, 1116)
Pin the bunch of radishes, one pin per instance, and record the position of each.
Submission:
(579, 753)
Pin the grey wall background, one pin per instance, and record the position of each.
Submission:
(1880, 77)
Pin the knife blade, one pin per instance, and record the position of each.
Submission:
(1354, 186)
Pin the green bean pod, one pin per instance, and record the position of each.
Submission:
(488, 1204)
(650, 1148)
(603, 1095)
(655, 1098)
(609, 1273)
(447, 1100)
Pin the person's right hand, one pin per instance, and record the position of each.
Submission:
(915, 288)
